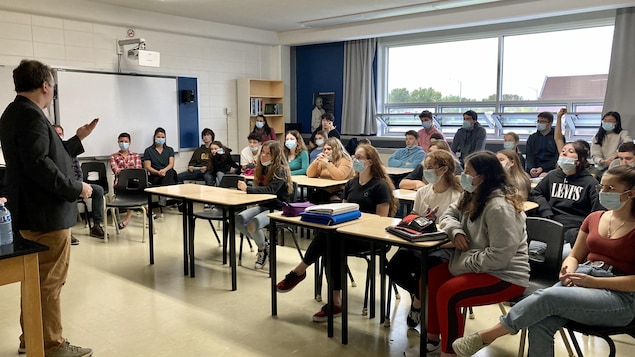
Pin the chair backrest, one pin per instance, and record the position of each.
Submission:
(94, 172)
(132, 181)
(552, 234)
(230, 181)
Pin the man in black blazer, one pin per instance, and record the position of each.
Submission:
(42, 190)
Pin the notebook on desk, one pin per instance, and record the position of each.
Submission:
(333, 209)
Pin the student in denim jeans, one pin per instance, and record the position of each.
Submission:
(586, 293)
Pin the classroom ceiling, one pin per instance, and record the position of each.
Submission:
(286, 15)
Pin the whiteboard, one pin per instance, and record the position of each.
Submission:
(135, 104)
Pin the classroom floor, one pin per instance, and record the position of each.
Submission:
(119, 305)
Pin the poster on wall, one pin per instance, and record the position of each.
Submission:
(323, 102)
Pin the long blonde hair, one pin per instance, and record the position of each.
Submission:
(277, 169)
(338, 150)
(444, 158)
(378, 171)
(516, 174)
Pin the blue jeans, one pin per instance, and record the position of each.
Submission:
(208, 176)
(547, 310)
(256, 216)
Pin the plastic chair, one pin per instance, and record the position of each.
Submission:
(130, 194)
(604, 333)
(94, 173)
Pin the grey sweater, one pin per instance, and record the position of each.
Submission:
(498, 241)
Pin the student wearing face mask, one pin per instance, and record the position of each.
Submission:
(328, 126)
(625, 155)
(261, 127)
(517, 176)
(372, 189)
(431, 201)
(411, 155)
(334, 163)
(542, 151)
(158, 160)
(198, 168)
(425, 134)
(511, 141)
(609, 137)
(222, 162)
(320, 139)
(249, 154)
(470, 138)
(597, 279)
(568, 194)
(121, 160)
(296, 153)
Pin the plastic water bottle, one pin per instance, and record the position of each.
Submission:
(6, 233)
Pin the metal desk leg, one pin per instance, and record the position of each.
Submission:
(190, 233)
(343, 276)
(371, 270)
(382, 285)
(273, 232)
(329, 284)
(423, 338)
(151, 228)
(232, 245)
(225, 235)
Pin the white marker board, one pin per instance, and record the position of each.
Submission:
(135, 104)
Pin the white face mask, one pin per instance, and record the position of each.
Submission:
(430, 175)
(611, 200)
(467, 182)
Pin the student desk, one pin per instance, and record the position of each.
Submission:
(19, 262)
(277, 217)
(227, 199)
(406, 199)
(398, 170)
(529, 205)
(375, 231)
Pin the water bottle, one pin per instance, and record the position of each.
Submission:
(6, 233)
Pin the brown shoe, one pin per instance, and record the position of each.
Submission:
(97, 232)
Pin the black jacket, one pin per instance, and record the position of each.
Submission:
(42, 188)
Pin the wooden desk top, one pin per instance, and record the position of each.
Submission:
(529, 205)
(303, 180)
(376, 229)
(296, 220)
(211, 194)
(398, 170)
(405, 195)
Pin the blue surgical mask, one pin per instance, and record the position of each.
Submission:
(254, 148)
(509, 145)
(611, 200)
(430, 175)
(290, 144)
(159, 141)
(124, 146)
(541, 126)
(358, 165)
(319, 142)
(608, 126)
(467, 124)
(265, 163)
(426, 124)
(260, 124)
(220, 151)
(566, 163)
(467, 183)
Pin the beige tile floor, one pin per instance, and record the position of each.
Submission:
(119, 305)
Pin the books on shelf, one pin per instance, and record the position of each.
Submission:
(333, 208)
(255, 106)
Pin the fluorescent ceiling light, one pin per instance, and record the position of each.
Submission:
(392, 12)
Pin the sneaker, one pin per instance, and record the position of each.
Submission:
(68, 350)
(74, 241)
(414, 317)
(261, 259)
(163, 201)
(97, 232)
(290, 281)
(432, 346)
(207, 207)
(321, 316)
(468, 345)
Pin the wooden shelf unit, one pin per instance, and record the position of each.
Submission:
(265, 92)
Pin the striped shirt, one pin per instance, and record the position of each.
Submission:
(119, 162)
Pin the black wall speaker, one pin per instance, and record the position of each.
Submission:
(187, 96)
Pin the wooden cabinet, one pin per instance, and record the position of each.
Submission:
(260, 96)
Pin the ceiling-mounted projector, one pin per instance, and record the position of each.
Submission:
(139, 53)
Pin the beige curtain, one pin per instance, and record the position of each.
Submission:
(359, 106)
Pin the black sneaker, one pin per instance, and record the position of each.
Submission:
(261, 259)
(414, 317)
(97, 232)
(74, 241)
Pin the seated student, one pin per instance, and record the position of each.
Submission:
(490, 261)
(568, 194)
(97, 198)
(425, 134)
(333, 163)
(415, 179)
(121, 160)
(199, 166)
(584, 294)
(410, 156)
(158, 160)
(261, 127)
(296, 153)
(517, 176)
(542, 151)
(625, 155)
(471, 137)
(222, 162)
(511, 141)
(609, 137)
(327, 126)
(372, 190)
(271, 176)
(431, 201)
(249, 154)
(320, 139)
